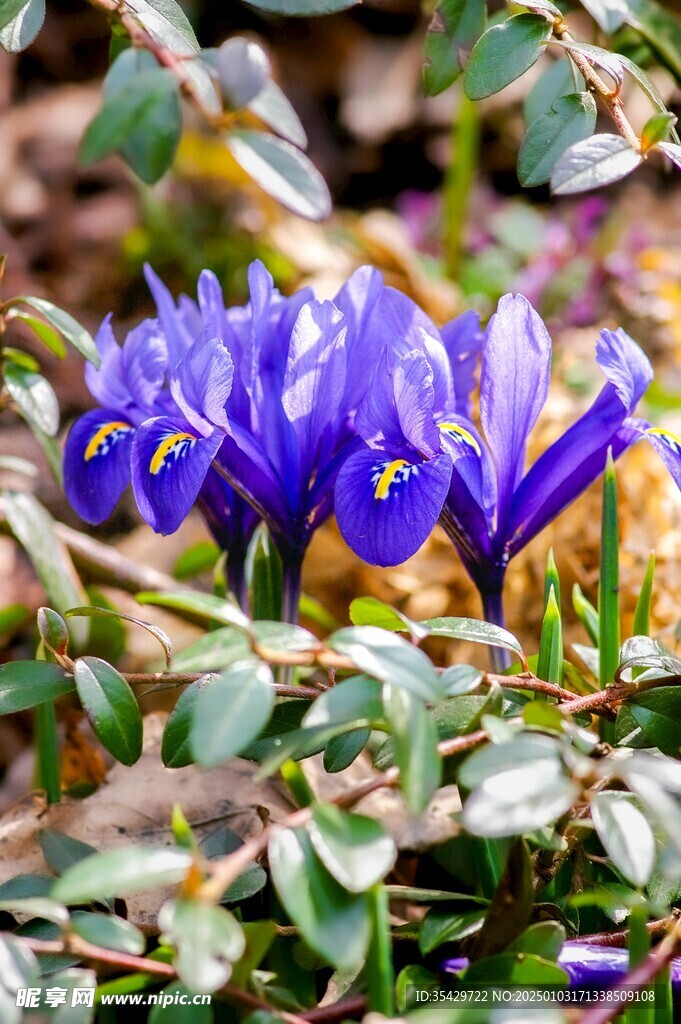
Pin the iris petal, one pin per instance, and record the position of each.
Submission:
(667, 444)
(169, 464)
(97, 463)
(386, 507)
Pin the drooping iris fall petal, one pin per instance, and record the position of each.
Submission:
(97, 463)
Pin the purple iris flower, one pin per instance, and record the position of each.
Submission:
(166, 382)
(424, 460)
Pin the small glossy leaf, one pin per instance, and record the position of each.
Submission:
(389, 658)
(38, 906)
(593, 163)
(644, 652)
(571, 119)
(176, 751)
(213, 651)
(208, 940)
(542, 939)
(560, 79)
(608, 14)
(282, 171)
(414, 738)
(9, 9)
(111, 708)
(525, 970)
(254, 878)
(333, 922)
(454, 29)
(34, 398)
(231, 712)
(529, 749)
(626, 835)
(108, 931)
(23, 684)
(440, 926)
(348, 700)
(519, 800)
(61, 851)
(273, 107)
(50, 338)
(74, 332)
(143, 119)
(341, 751)
(657, 128)
(658, 712)
(475, 631)
(204, 606)
(53, 631)
(369, 611)
(672, 151)
(355, 849)
(18, 966)
(459, 680)
(95, 612)
(243, 68)
(504, 53)
(23, 887)
(122, 871)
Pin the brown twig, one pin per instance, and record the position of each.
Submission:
(346, 1008)
(620, 939)
(168, 679)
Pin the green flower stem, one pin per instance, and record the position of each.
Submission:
(608, 589)
(489, 858)
(459, 181)
(379, 968)
(639, 948)
(48, 772)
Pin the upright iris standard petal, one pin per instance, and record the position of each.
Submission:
(514, 382)
(414, 396)
(175, 330)
(387, 506)
(577, 458)
(202, 383)
(97, 463)
(169, 464)
(314, 383)
(462, 339)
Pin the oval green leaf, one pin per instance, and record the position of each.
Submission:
(355, 849)
(571, 119)
(282, 171)
(122, 871)
(34, 398)
(504, 53)
(23, 684)
(593, 163)
(111, 708)
(388, 658)
(231, 712)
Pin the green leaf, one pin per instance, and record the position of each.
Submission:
(521, 969)
(243, 69)
(74, 332)
(593, 163)
(231, 712)
(204, 606)
(213, 651)
(333, 922)
(111, 708)
(18, 966)
(208, 940)
(369, 611)
(586, 613)
(660, 28)
(175, 1006)
(440, 926)
(69, 980)
(34, 529)
(459, 680)
(644, 652)
(61, 851)
(454, 29)
(282, 171)
(22, 31)
(142, 120)
(22, 887)
(543, 939)
(355, 849)
(510, 909)
(475, 631)
(273, 107)
(626, 835)
(302, 8)
(415, 744)
(657, 128)
(222, 842)
(648, 86)
(388, 658)
(550, 662)
(643, 602)
(108, 931)
(53, 631)
(341, 751)
(519, 800)
(95, 612)
(38, 906)
(176, 750)
(34, 398)
(531, 750)
(50, 338)
(504, 53)
(122, 871)
(9, 9)
(560, 79)
(658, 712)
(196, 559)
(347, 701)
(571, 119)
(23, 684)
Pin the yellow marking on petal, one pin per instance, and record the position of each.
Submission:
(454, 428)
(164, 448)
(387, 477)
(101, 435)
(668, 435)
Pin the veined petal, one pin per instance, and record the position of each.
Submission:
(514, 382)
(97, 463)
(414, 397)
(386, 507)
(377, 421)
(667, 444)
(173, 325)
(314, 383)
(577, 458)
(202, 383)
(462, 339)
(169, 464)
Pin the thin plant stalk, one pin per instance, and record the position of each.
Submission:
(48, 772)
(459, 182)
(379, 969)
